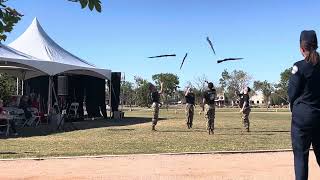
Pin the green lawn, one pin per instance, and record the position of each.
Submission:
(269, 130)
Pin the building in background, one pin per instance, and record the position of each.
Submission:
(257, 99)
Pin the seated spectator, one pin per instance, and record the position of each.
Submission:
(11, 122)
(13, 102)
(25, 103)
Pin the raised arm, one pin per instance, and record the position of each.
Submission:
(187, 92)
(161, 88)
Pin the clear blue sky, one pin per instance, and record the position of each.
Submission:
(264, 32)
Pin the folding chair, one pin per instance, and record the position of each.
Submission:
(4, 122)
(73, 110)
(35, 119)
(36, 115)
(18, 114)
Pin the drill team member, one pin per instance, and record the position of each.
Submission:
(155, 98)
(190, 102)
(245, 107)
(208, 107)
(304, 98)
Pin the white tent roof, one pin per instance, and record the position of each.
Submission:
(25, 67)
(18, 64)
(35, 42)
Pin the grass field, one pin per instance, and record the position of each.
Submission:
(269, 130)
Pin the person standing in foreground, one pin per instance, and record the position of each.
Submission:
(155, 97)
(208, 107)
(304, 98)
(190, 102)
(245, 107)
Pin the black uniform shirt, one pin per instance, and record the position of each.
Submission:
(155, 97)
(190, 99)
(304, 84)
(244, 98)
(209, 96)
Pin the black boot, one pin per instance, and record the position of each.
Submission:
(154, 128)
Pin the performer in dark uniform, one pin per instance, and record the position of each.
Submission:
(245, 107)
(304, 98)
(190, 102)
(208, 100)
(155, 97)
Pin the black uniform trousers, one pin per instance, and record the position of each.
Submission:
(305, 130)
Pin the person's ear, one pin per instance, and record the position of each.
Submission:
(303, 51)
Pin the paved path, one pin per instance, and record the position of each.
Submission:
(260, 166)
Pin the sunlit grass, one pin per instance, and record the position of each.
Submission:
(269, 130)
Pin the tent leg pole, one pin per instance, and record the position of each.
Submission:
(49, 94)
(56, 98)
(17, 86)
(22, 84)
(110, 84)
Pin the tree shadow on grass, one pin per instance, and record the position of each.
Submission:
(243, 134)
(44, 130)
(272, 131)
(230, 128)
(174, 131)
(218, 131)
(5, 153)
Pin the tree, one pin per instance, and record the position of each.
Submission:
(9, 17)
(170, 85)
(7, 86)
(266, 88)
(92, 4)
(276, 100)
(201, 83)
(180, 94)
(282, 86)
(127, 93)
(233, 82)
(224, 79)
(199, 86)
(142, 92)
(170, 82)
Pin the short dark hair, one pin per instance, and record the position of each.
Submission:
(210, 85)
(150, 86)
(249, 89)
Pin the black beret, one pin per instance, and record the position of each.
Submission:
(310, 37)
(210, 85)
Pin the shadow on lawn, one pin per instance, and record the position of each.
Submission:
(223, 132)
(272, 131)
(44, 130)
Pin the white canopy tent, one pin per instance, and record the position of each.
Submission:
(45, 57)
(36, 42)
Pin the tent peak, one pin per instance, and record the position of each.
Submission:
(36, 42)
(35, 23)
(35, 19)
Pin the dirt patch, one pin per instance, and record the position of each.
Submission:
(262, 166)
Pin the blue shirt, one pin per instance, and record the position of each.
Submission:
(304, 84)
